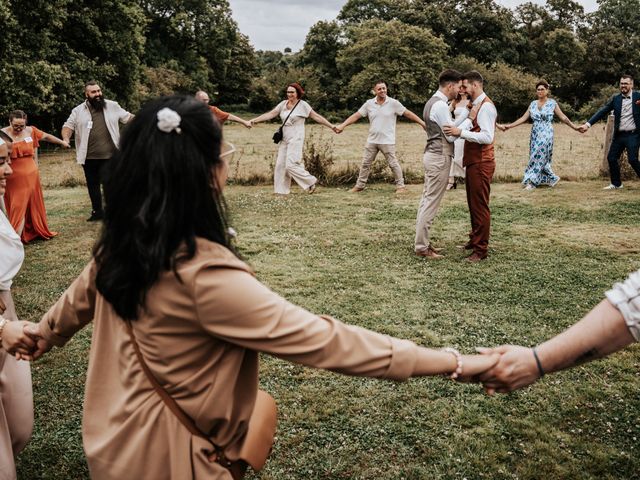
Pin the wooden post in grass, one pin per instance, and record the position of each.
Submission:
(626, 172)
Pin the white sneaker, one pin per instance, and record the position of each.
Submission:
(555, 182)
(612, 187)
(528, 186)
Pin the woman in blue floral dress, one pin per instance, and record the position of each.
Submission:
(541, 113)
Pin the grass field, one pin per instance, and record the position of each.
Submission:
(553, 254)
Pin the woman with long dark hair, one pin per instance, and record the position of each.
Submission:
(172, 304)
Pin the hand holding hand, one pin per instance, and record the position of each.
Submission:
(501, 127)
(41, 345)
(474, 365)
(583, 128)
(16, 341)
(336, 129)
(247, 123)
(65, 144)
(515, 369)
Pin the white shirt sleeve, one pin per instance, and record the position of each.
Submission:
(461, 117)
(442, 116)
(626, 298)
(363, 110)
(71, 121)
(123, 115)
(303, 110)
(398, 108)
(486, 121)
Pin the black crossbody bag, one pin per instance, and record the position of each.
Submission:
(277, 137)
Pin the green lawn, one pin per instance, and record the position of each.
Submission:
(553, 254)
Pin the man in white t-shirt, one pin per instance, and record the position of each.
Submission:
(382, 112)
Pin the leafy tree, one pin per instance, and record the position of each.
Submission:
(201, 40)
(321, 48)
(408, 58)
(70, 43)
(359, 11)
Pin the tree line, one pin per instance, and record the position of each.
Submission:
(141, 49)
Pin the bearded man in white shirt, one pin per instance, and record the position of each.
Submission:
(437, 158)
(479, 159)
(382, 112)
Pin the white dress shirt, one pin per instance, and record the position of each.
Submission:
(486, 121)
(441, 114)
(80, 122)
(626, 115)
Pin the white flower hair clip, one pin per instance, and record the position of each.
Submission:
(169, 120)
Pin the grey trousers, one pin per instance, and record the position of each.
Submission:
(370, 152)
(436, 177)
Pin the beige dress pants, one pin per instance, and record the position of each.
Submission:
(370, 152)
(16, 403)
(436, 177)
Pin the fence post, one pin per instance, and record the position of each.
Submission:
(608, 136)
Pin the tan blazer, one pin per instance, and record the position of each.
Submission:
(201, 339)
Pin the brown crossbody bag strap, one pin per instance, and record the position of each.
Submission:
(238, 468)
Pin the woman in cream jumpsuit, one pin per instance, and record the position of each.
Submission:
(289, 162)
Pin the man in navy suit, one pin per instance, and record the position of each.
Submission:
(626, 134)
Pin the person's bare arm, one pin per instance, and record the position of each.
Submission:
(265, 116)
(414, 118)
(524, 118)
(563, 118)
(320, 119)
(600, 332)
(239, 120)
(353, 118)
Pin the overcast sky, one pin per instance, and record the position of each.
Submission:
(277, 24)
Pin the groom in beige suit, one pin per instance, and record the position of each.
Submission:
(437, 159)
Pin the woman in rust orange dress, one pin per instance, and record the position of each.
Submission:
(23, 197)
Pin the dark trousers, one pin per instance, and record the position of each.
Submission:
(93, 173)
(478, 185)
(621, 141)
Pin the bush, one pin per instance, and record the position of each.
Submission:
(318, 157)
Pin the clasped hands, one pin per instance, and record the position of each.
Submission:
(24, 340)
(512, 367)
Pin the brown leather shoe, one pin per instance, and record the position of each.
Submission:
(466, 246)
(474, 258)
(356, 189)
(430, 254)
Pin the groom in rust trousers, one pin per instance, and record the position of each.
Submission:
(480, 162)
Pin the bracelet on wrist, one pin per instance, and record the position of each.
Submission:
(458, 371)
(540, 369)
(3, 323)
